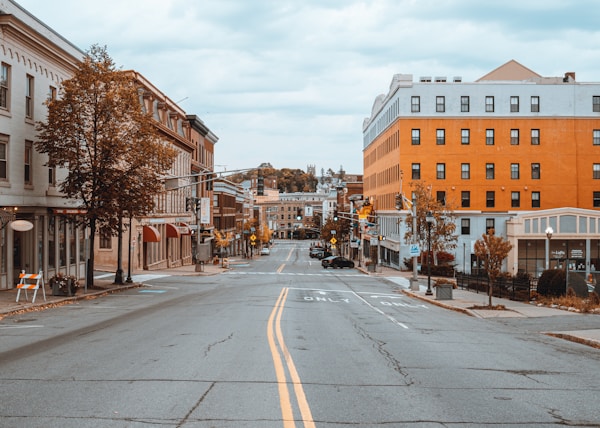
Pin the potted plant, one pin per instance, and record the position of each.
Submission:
(63, 285)
(443, 288)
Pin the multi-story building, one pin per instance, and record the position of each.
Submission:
(34, 60)
(514, 151)
(163, 238)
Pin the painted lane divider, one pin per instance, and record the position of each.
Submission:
(277, 349)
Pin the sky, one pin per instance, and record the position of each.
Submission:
(290, 82)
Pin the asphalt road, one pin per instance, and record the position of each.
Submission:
(281, 342)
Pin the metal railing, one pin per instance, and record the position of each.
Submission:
(519, 289)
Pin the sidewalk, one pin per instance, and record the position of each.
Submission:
(103, 285)
(462, 300)
(466, 301)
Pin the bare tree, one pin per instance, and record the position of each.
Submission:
(97, 130)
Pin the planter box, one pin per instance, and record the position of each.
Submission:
(443, 292)
(58, 291)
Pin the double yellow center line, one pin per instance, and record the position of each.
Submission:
(279, 350)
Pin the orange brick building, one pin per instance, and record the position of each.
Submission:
(510, 144)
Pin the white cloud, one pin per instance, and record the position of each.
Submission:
(290, 82)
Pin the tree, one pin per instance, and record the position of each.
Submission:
(111, 149)
(222, 241)
(492, 250)
(442, 231)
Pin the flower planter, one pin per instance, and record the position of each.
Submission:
(62, 288)
(443, 292)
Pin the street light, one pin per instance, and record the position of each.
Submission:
(549, 232)
(429, 218)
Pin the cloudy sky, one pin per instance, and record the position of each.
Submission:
(290, 82)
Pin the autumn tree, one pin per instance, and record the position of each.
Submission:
(492, 250)
(111, 149)
(222, 241)
(443, 237)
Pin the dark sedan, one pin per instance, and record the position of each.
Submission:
(337, 262)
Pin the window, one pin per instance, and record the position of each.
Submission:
(514, 171)
(441, 171)
(465, 171)
(465, 199)
(27, 162)
(514, 104)
(489, 137)
(51, 177)
(464, 104)
(596, 137)
(440, 104)
(596, 199)
(535, 104)
(416, 137)
(465, 226)
(515, 199)
(465, 136)
(489, 104)
(416, 171)
(514, 137)
(441, 197)
(4, 85)
(489, 171)
(440, 137)
(490, 199)
(415, 104)
(490, 223)
(535, 199)
(105, 241)
(52, 93)
(596, 171)
(535, 137)
(3, 157)
(596, 103)
(535, 171)
(29, 97)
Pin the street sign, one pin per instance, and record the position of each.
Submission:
(333, 240)
(415, 250)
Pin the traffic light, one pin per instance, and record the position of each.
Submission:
(399, 204)
(335, 215)
(188, 204)
(198, 204)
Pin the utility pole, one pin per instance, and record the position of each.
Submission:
(414, 281)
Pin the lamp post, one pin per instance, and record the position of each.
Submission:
(549, 232)
(429, 218)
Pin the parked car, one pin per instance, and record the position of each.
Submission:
(337, 262)
(264, 251)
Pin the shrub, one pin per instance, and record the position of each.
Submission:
(578, 285)
(552, 283)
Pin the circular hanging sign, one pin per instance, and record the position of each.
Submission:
(21, 225)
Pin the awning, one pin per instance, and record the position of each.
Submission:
(184, 228)
(173, 231)
(151, 234)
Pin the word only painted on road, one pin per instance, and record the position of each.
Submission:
(325, 299)
(402, 305)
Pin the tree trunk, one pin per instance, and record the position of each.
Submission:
(90, 265)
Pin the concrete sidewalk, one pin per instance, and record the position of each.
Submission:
(471, 303)
(103, 285)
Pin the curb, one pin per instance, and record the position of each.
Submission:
(31, 307)
(441, 304)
